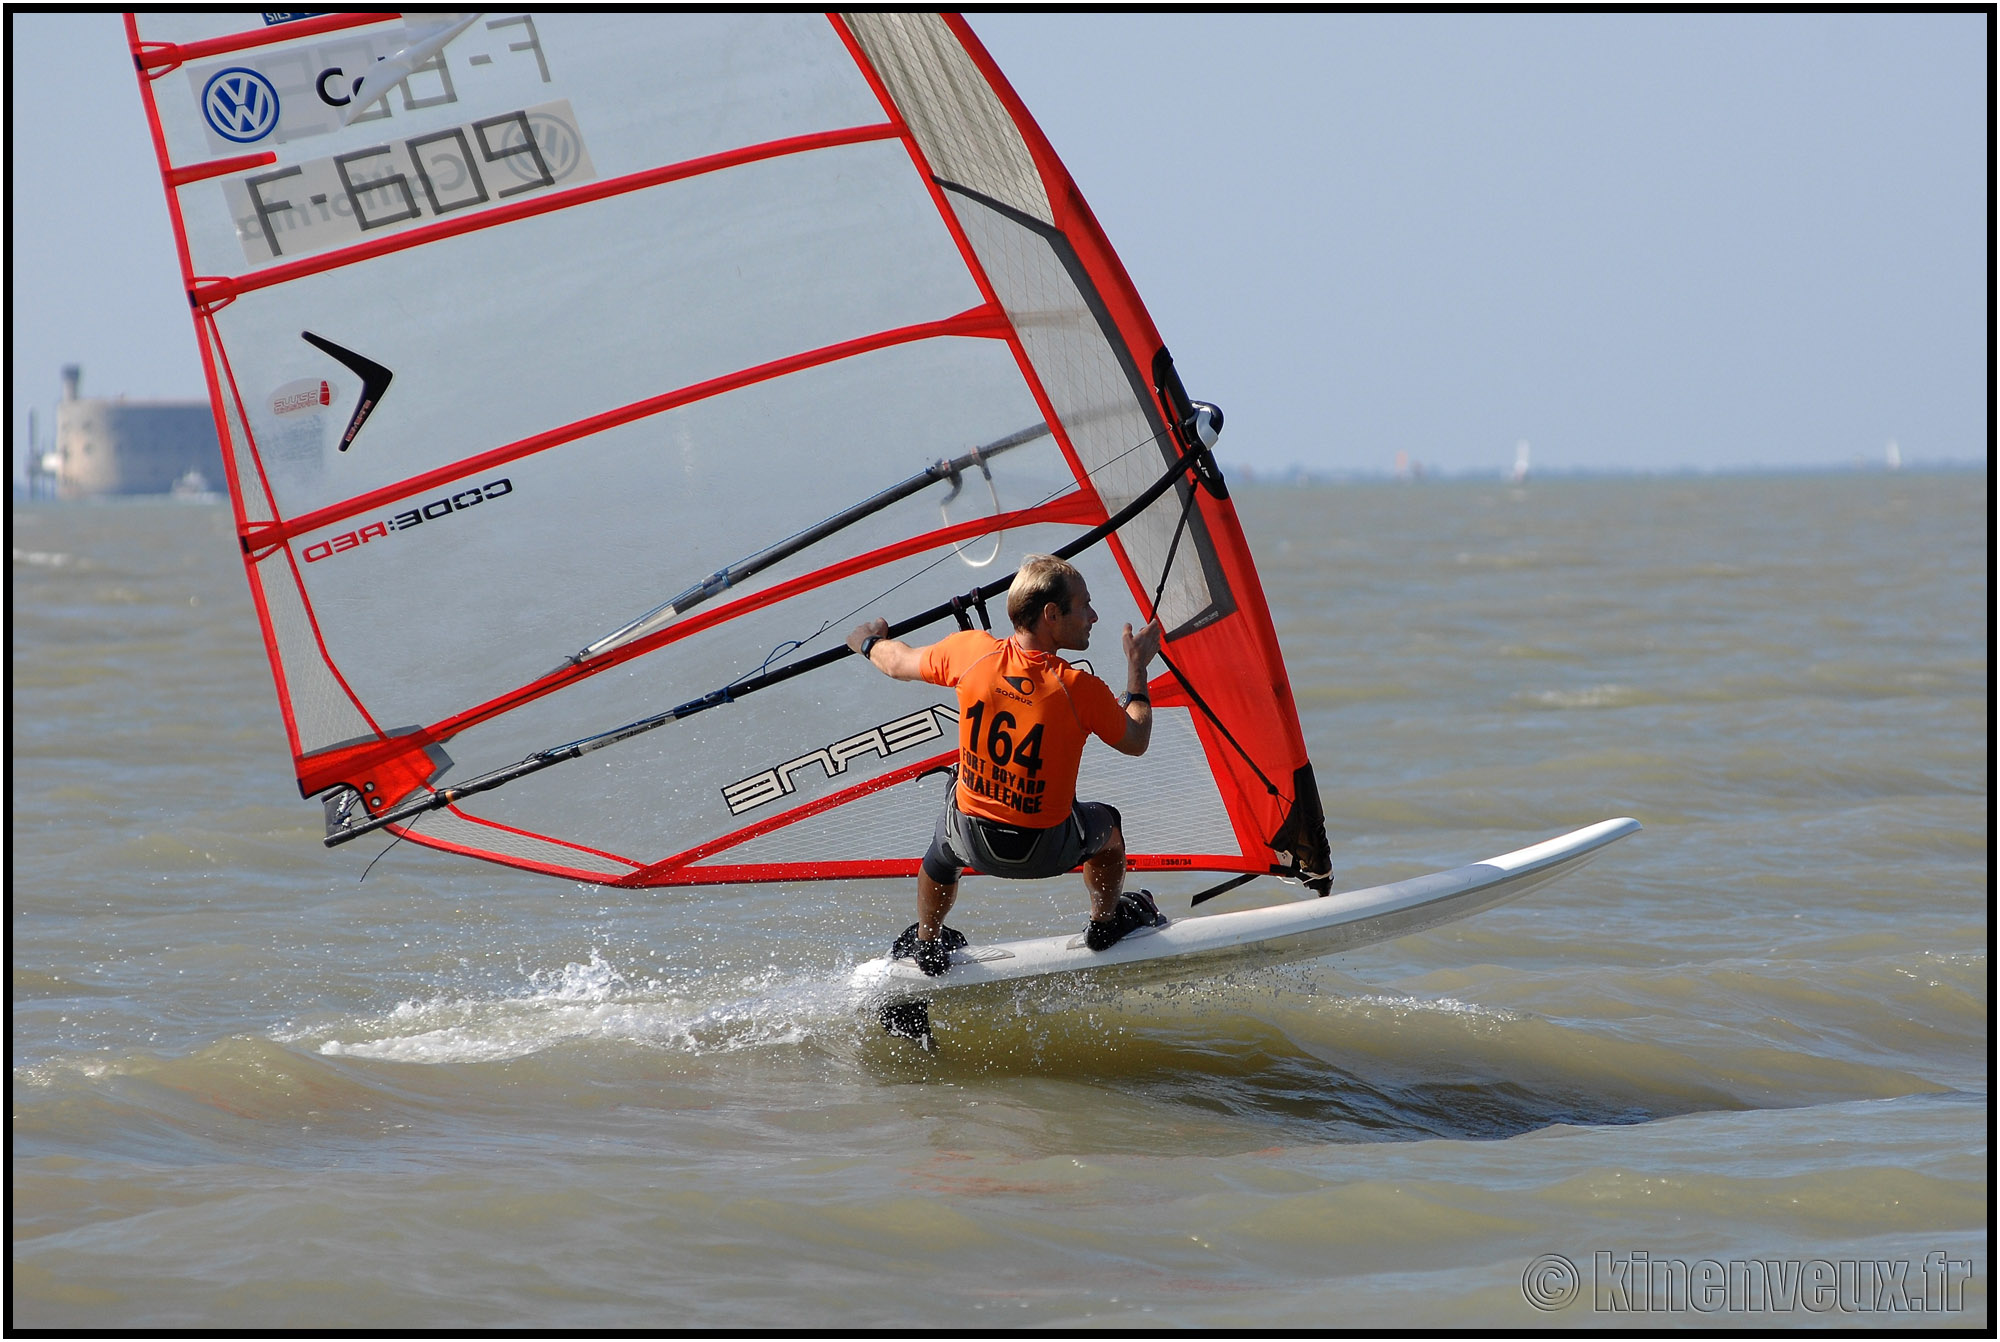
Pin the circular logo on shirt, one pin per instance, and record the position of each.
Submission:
(1020, 683)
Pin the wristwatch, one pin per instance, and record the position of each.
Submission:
(868, 645)
(1127, 699)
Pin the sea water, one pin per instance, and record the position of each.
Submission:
(1748, 1046)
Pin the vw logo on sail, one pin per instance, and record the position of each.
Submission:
(240, 104)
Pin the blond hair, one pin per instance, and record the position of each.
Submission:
(1041, 579)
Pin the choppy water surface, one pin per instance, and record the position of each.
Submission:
(251, 1091)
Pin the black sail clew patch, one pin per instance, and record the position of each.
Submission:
(374, 377)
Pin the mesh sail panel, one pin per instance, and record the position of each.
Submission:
(323, 712)
(1122, 446)
(246, 485)
(955, 115)
(1186, 816)
(446, 829)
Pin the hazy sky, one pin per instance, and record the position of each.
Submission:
(1638, 241)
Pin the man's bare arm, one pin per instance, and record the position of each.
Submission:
(892, 657)
(1140, 649)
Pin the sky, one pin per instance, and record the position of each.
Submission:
(1645, 242)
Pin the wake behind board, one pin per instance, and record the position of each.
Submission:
(1191, 948)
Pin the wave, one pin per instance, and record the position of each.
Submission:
(593, 1001)
(1230, 1057)
(42, 558)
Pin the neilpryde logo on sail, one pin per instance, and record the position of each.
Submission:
(240, 104)
(760, 789)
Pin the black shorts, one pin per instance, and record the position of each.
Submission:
(993, 849)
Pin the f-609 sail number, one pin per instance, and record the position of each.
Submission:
(330, 202)
(433, 511)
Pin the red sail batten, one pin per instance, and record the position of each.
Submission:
(156, 58)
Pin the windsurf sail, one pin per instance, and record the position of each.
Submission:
(584, 378)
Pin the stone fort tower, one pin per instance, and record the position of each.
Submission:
(116, 446)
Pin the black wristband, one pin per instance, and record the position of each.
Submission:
(868, 645)
(1131, 697)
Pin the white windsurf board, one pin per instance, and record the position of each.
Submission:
(1196, 947)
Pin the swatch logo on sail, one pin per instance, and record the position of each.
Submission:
(301, 395)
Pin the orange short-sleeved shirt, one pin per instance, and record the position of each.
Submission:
(1022, 720)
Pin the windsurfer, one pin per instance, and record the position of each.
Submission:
(1024, 714)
